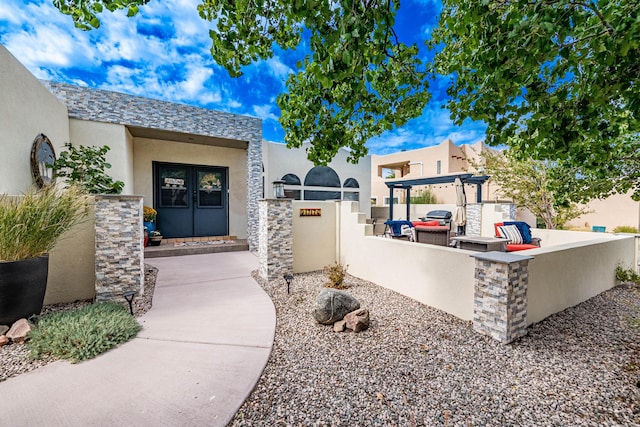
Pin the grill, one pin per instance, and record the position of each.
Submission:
(444, 217)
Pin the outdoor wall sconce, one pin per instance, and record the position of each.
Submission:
(128, 296)
(278, 189)
(288, 278)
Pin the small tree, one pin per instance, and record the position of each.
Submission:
(85, 166)
(425, 197)
(537, 185)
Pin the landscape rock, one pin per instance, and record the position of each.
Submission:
(3, 340)
(357, 320)
(332, 305)
(19, 331)
(339, 326)
(3, 329)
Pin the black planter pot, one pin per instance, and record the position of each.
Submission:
(22, 287)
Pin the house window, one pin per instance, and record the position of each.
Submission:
(350, 195)
(374, 201)
(386, 200)
(438, 167)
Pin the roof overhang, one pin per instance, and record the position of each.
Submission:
(167, 135)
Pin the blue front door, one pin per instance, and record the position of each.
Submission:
(191, 200)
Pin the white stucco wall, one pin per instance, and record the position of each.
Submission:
(117, 138)
(27, 109)
(314, 237)
(146, 151)
(279, 160)
(564, 275)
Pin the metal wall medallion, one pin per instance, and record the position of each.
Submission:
(42, 157)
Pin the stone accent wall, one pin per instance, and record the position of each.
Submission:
(112, 107)
(275, 251)
(500, 298)
(474, 219)
(508, 211)
(119, 247)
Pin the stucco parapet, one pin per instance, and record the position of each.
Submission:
(500, 257)
(112, 107)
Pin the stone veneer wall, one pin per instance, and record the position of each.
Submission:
(474, 219)
(119, 108)
(119, 247)
(275, 251)
(500, 297)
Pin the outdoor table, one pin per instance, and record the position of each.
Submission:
(480, 244)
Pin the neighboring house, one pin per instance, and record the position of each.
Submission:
(447, 159)
(202, 170)
(443, 159)
(339, 180)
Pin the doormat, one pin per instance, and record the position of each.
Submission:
(207, 243)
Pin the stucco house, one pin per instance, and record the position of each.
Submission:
(202, 170)
(447, 158)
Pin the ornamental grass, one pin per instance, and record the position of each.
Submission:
(82, 334)
(32, 224)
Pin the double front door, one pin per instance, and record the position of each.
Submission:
(191, 200)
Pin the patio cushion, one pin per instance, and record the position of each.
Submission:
(510, 232)
(520, 247)
(523, 228)
(434, 223)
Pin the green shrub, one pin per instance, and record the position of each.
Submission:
(82, 334)
(85, 166)
(627, 275)
(425, 197)
(32, 224)
(336, 273)
(625, 229)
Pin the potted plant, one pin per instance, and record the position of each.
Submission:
(149, 218)
(30, 226)
(155, 238)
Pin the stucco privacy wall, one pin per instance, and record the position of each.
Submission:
(149, 114)
(27, 109)
(314, 237)
(438, 276)
(146, 151)
(117, 138)
(565, 275)
(72, 264)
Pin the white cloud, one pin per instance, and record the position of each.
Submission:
(264, 112)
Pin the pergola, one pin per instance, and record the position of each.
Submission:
(466, 178)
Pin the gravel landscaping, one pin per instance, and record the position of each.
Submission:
(418, 366)
(14, 358)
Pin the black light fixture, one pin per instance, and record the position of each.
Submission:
(278, 189)
(288, 278)
(128, 296)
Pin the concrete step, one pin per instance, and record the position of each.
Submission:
(172, 248)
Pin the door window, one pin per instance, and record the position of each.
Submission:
(210, 185)
(173, 187)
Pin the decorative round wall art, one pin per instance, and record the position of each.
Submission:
(42, 157)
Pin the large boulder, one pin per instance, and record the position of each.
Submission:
(332, 305)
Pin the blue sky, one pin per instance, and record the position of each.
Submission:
(163, 53)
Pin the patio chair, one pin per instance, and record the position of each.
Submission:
(399, 228)
(519, 235)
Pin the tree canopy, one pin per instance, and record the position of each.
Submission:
(554, 79)
(357, 80)
(561, 76)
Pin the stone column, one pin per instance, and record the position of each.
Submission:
(119, 247)
(500, 298)
(474, 219)
(275, 249)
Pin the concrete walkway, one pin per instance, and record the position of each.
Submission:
(203, 347)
